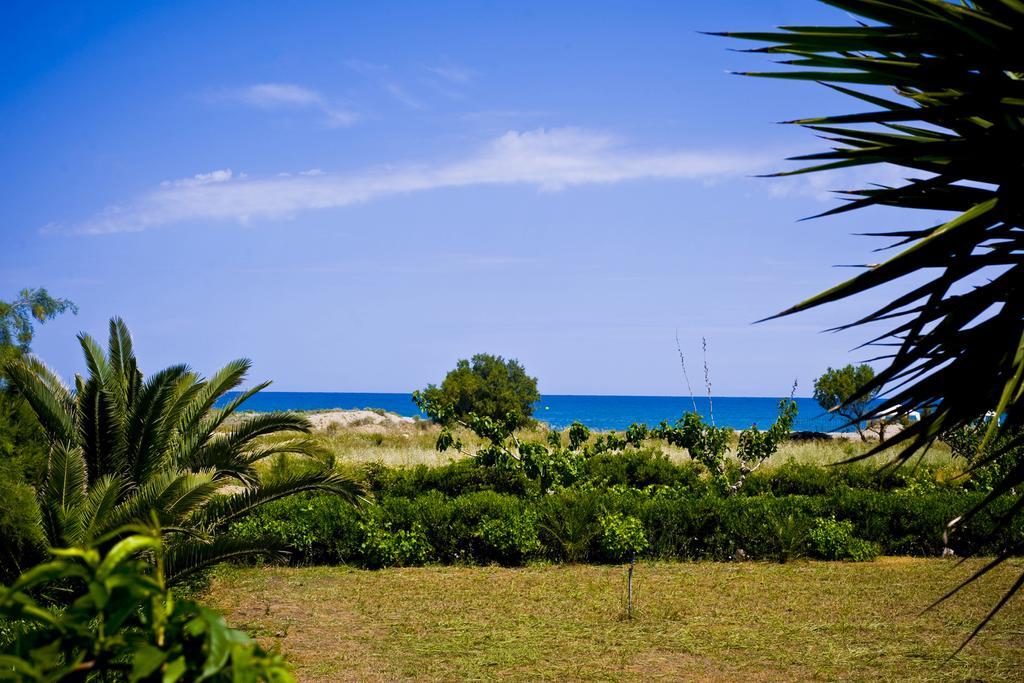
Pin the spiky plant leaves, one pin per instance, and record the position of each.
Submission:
(64, 492)
(124, 448)
(37, 386)
(190, 556)
(956, 124)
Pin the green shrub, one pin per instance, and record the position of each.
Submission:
(792, 534)
(804, 479)
(384, 547)
(640, 468)
(454, 479)
(568, 524)
(678, 522)
(511, 540)
(314, 529)
(834, 540)
(622, 537)
(121, 623)
(21, 537)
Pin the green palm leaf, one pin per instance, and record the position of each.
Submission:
(99, 503)
(954, 344)
(125, 448)
(225, 509)
(65, 491)
(49, 405)
(147, 431)
(191, 556)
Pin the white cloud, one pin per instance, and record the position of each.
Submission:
(823, 186)
(450, 72)
(290, 96)
(550, 160)
(279, 94)
(221, 176)
(403, 96)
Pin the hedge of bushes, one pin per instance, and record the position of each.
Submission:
(646, 467)
(686, 522)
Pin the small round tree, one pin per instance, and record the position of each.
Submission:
(485, 386)
(840, 391)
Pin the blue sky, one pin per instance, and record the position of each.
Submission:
(355, 196)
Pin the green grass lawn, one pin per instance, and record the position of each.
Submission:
(696, 621)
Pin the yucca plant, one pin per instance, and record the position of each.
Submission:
(943, 90)
(123, 448)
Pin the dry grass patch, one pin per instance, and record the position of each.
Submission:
(696, 621)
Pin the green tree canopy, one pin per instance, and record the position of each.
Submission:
(17, 317)
(22, 441)
(841, 391)
(485, 386)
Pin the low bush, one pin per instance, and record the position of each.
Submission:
(640, 468)
(319, 529)
(118, 621)
(834, 540)
(21, 538)
(383, 546)
(581, 524)
(455, 479)
(622, 537)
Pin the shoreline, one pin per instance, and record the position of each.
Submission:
(376, 420)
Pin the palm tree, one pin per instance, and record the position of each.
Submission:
(123, 448)
(951, 115)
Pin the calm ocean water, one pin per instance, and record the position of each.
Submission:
(597, 412)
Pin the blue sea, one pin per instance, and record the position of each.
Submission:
(597, 412)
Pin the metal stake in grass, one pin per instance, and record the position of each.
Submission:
(629, 587)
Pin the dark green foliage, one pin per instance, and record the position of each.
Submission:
(840, 391)
(578, 435)
(485, 387)
(622, 537)
(313, 529)
(23, 444)
(121, 623)
(940, 98)
(383, 546)
(676, 523)
(122, 447)
(511, 539)
(640, 468)
(22, 439)
(21, 539)
(456, 478)
(812, 480)
(834, 540)
(992, 461)
(17, 316)
(569, 524)
(22, 467)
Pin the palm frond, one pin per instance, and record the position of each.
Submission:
(225, 379)
(50, 407)
(101, 429)
(190, 492)
(231, 446)
(955, 344)
(143, 500)
(190, 556)
(147, 431)
(222, 510)
(64, 491)
(104, 495)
